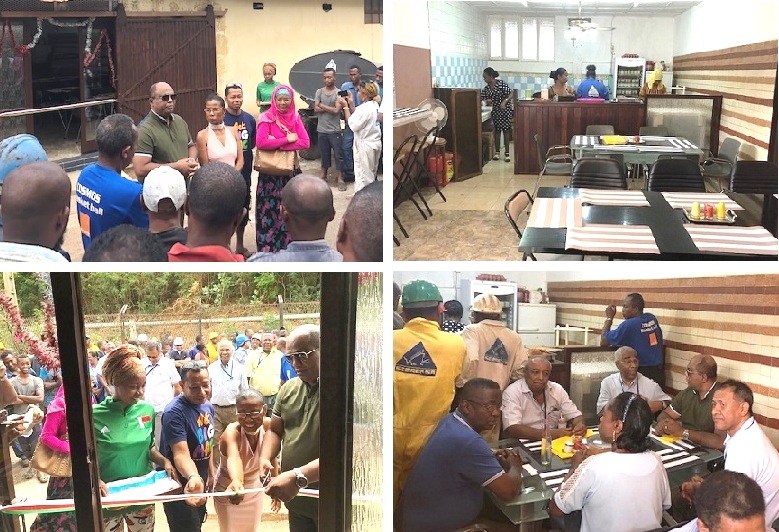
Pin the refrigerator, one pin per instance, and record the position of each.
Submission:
(506, 292)
(536, 324)
(628, 76)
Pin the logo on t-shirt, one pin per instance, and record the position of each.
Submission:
(417, 361)
(143, 420)
(497, 353)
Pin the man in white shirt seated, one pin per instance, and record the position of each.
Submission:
(747, 449)
(628, 379)
(530, 400)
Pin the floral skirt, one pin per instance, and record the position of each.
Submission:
(58, 488)
(271, 231)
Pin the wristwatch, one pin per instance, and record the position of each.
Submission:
(300, 479)
(686, 435)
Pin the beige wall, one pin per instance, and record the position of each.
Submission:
(284, 32)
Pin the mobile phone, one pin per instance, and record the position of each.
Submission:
(343, 94)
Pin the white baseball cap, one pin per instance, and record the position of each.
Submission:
(164, 182)
(142, 338)
(178, 341)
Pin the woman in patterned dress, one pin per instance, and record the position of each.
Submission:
(279, 128)
(498, 94)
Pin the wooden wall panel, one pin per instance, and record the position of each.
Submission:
(733, 318)
(745, 77)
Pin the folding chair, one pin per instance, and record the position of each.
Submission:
(513, 208)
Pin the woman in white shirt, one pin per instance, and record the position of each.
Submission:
(622, 490)
(364, 122)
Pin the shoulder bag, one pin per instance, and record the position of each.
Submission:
(276, 162)
(51, 462)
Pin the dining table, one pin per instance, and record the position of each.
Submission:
(681, 460)
(634, 149)
(645, 225)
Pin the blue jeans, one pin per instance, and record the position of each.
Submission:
(24, 447)
(348, 142)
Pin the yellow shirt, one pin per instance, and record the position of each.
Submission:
(426, 364)
(213, 352)
(264, 371)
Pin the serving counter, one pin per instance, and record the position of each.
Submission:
(557, 122)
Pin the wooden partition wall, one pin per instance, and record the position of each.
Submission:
(733, 318)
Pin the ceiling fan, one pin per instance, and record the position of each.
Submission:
(583, 24)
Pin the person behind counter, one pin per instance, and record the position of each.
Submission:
(498, 94)
(560, 86)
(654, 85)
(592, 87)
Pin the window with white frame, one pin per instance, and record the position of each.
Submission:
(528, 38)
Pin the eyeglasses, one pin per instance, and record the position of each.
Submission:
(168, 97)
(300, 355)
(489, 407)
(250, 414)
(689, 371)
(233, 86)
(209, 111)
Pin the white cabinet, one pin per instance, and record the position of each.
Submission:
(536, 324)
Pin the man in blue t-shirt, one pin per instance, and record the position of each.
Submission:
(247, 130)
(105, 199)
(641, 331)
(187, 441)
(444, 490)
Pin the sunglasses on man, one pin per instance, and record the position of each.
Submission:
(300, 355)
(168, 97)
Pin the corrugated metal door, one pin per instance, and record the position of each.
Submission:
(178, 50)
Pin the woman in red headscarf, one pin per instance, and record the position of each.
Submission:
(279, 128)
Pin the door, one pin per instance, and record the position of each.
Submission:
(180, 51)
(98, 78)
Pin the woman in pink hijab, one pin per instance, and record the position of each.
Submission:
(279, 128)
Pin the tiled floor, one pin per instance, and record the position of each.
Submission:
(470, 225)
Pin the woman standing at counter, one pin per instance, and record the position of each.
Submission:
(497, 93)
(560, 86)
(592, 87)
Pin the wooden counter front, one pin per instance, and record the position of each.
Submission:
(557, 122)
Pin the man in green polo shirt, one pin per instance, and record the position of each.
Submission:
(295, 421)
(163, 137)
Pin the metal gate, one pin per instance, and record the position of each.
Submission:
(180, 51)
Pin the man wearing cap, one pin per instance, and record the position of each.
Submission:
(427, 363)
(178, 354)
(211, 349)
(105, 199)
(36, 207)
(164, 192)
(264, 370)
(16, 151)
(241, 349)
(493, 351)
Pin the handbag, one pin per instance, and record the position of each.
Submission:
(51, 462)
(276, 162)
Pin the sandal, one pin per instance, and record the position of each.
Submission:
(342, 186)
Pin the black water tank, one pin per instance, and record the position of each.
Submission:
(305, 77)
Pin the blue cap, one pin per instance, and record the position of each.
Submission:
(241, 339)
(17, 151)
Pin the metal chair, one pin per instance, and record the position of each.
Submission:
(722, 167)
(676, 175)
(598, 173)
(513, 208)
(403, 159)
(759, 177)
(557, 160)
(424, 148)
(653, 131)
(600, 130)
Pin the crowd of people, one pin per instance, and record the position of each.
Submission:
(213, 415)
(459, 388)
(207, 180)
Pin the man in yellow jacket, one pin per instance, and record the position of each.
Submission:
(426, 363)
(211, 349)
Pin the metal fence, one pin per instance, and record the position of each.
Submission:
(189, 323)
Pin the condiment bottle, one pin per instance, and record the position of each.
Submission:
(721, 210)
(708, 211)
(695, 210)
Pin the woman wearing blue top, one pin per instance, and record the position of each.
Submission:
(591, 87)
